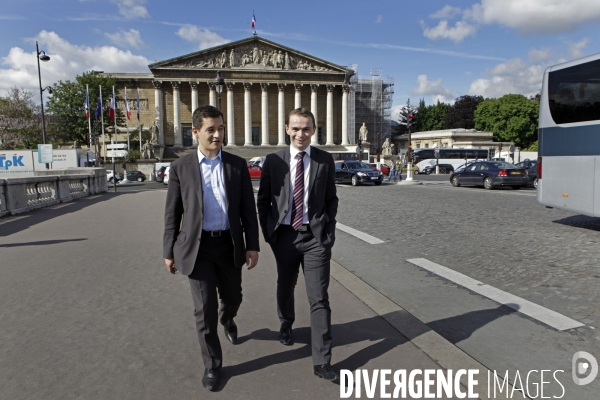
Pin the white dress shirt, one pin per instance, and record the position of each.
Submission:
(214, 198)
(293, 164)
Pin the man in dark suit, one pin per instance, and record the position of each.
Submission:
(210, 232)
(297, 206)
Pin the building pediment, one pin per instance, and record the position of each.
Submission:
(253, 53)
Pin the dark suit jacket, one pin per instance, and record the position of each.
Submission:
(274, 194)
(184, 210)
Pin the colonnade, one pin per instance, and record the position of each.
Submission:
(281, 114)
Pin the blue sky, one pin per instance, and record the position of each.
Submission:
(433, 49)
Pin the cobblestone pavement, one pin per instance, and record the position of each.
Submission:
(502, 238)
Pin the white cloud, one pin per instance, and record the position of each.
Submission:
(448, 12)
(132, 9)
(542, 55)
(379, 19)
(202, 36)
(126, 39)
(576, 49)
(513, 76)
(435, 89)
(536, 16)
(456, 33)
(8, 17)
(66, 62)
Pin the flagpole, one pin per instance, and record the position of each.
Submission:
(89, 115)
(102, 119)
(139, 120)
(127, 120)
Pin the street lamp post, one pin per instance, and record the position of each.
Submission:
(41, 55)
(219, 85)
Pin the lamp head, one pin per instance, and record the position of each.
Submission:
(44, 57)
(219, 83)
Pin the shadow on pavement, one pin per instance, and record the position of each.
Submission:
(41, 242)
(581, 221)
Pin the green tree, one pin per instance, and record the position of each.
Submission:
(461, 113)
(512, 118)
(67, 107)
(20, 120)
(431, 118)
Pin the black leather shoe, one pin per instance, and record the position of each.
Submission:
(285, 336)
(326, 372)
(231, 332)
(210, 379)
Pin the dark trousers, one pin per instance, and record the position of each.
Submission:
(293, 249)
(214, 269)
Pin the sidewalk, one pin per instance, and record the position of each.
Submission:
(89, 311)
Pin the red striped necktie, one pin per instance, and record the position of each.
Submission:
(298, 202)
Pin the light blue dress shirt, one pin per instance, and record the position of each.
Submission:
(214, 197)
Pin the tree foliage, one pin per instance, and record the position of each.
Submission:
(512, 118)
(20, 120)
(431, 118)
(461, 113)
(405, 111)
(67, 107)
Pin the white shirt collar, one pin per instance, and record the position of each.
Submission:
(201, 156)
(294, 151)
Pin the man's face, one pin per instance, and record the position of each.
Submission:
(210, 135)
(300, 129)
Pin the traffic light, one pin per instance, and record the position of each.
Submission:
(411, 122)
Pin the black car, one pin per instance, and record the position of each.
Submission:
(490, 174)
(531, 167)
(444, 169)
(160, 174)
(136, 176)
(356, 173)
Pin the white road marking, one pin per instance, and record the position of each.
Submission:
(361, 235)
(535, 311)
(58, 206)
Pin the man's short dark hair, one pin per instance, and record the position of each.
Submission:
(205, 112)
(303, 112)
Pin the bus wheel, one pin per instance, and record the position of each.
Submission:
(455, 181)
(355, 181)
(488, 184)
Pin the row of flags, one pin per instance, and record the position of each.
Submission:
(113, 105)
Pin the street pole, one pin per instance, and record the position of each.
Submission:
(41, 94)
(409, 173)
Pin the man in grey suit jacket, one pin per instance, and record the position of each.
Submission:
(297, 206)
(209, 212)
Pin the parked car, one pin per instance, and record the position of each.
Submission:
(384, 168)
(490, 174)
(109, 176)
(257, 160)
(531, 167)
(255, 171)
(356, 173)
(136, 176)
(160, 174)
(444, 169)
(166, 176)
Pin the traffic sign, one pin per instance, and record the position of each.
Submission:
(118, 146)
(116, 153)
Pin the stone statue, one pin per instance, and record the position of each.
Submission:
(287, 61)
(148, 150)
(245, 60)
(223, 59)
(256, 56)
(386, 149)
(232, 58)
(265, 58)
(364, 132)
(279, 60)
(154, 131)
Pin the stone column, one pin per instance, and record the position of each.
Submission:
(345, 90)
(212, 98)
(313, 108)
(264, 114)
(297, 96)
(281, 114)
(247, 114)
(194, 86)
(158, 109)
(230, 115)
(330, 115)
(176, 115)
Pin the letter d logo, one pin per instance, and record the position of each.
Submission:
(583, 367)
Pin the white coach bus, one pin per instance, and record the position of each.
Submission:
(456, 157)
(569, 137)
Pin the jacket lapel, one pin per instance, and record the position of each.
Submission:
(314, 168)
(226, 176)
(196, 179)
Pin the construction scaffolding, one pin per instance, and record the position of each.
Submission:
(370, 102)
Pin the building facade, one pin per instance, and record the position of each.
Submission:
(264, 81)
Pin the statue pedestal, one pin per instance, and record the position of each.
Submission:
(159, 150)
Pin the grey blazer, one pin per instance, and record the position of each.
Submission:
(184, 210)
(274, 194)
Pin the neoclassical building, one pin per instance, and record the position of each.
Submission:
(264, 81)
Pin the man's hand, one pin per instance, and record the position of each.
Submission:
(170, 264)
(251, 258)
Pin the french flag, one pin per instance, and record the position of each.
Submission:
(138, 104)
(87, 103)
(113, 106)
(253, 19)
(127, 106)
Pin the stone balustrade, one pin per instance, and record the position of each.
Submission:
(18, 195)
